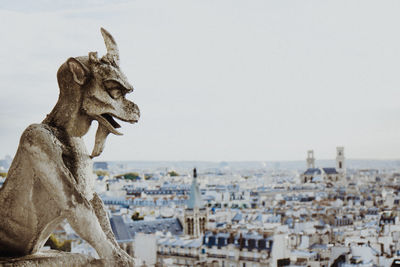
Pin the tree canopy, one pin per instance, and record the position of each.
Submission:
(54, 243)
(102, 173)
(134, 176)
(136, 216)
(173, 173)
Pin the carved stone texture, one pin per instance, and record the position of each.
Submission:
(54, 258)
(51, 177)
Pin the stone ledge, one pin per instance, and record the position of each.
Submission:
(53, 258)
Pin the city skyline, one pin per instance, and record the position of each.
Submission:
(218, 81)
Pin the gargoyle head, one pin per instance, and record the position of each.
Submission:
(102, 90)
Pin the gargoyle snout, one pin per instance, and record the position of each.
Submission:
(131, 112)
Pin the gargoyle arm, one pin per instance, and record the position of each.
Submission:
(101, 214)
(47, 165)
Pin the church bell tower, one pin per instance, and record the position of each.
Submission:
(310, 159)
(340, 161)
(195, 220)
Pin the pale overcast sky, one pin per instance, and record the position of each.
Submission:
(218, 80)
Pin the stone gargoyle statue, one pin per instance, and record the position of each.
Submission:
(51, 177)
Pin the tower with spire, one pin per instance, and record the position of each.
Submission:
(195, 219)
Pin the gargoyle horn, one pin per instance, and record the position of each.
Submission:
(111, 45)
(112, 56)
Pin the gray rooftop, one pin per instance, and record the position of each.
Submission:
(312, 171)
(172, 225)
(330, 171)
(120, 229)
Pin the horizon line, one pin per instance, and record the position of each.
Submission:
(219, 161)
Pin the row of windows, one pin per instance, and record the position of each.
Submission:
(190, 225)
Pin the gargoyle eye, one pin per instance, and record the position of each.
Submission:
(114, 93)
(114, 89)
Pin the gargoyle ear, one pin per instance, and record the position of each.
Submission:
(78, 70)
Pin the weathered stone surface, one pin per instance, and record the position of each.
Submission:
(54, 258)
(51, 177)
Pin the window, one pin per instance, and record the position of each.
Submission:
(191, 227)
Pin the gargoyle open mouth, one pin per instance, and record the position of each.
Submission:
(108, 121)
(111, 120)
(107, 125)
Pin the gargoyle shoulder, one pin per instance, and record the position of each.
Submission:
(40, 136)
